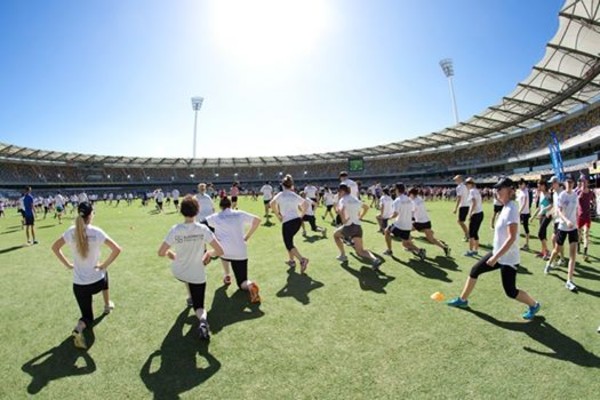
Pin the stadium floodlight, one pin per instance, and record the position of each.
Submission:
(196, 104)
(448, 69)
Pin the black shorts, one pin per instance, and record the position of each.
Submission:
(556, 228)
(561, 236)
(352, 231)
(399, 233)
(265, 202)
(176, 202)
(234, 199)
(421, 226)
(29, 220)
(329, 207)
(462, 213)
(497, 208)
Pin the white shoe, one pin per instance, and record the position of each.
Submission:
(341, 258)
(571, 286)
(109, 307)
(547, 269)
(561, 262)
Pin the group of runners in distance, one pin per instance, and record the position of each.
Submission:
(206, 234)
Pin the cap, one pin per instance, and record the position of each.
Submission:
(470, 180)
(554, 179)
(457, 178)
(569, 177)
(504, 183)
(343, 173)
(84, 209)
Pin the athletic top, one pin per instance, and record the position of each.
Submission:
(160, 196)
(189, 241)
(496, 201)
(463, 192)
(59, 201)
(508, 216)
(267, 192)
(544, 202)
(419, 211)
(84, 269)
(328, 198)
(311, 191)
(584, 211)
(351, 207)
(234, 191)
(28, 205)
(403, 206)
(175, 194)
(206, 206)
(386, 205)
(474, 194)
(352, 186)
(229, 228)
(309, 209)
(523, 199)
(83, 197)
(288, 203)
(567, 202)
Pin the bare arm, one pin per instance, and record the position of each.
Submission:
(57, 249)
(216, 251)
(165, 250)
(513, 231)
(115, 250)
(255, 224)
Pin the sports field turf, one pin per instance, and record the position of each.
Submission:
(339, 332)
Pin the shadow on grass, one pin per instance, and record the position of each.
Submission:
(368, 278)
(13, 248)
(562, 346)
(44, 227)
(9, 231)
(424, 269)
(314, 237)
(299, 286)
(268, 223)
(177, 369)
(446, 263)
(61, 361)
(226, 311)
(580, 289)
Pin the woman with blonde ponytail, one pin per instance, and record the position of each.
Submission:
(89, 274)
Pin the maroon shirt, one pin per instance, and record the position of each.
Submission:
(585, 201)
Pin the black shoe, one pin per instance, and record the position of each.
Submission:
(204, 330)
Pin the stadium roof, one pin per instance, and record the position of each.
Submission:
(566, 80)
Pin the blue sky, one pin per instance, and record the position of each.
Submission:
(278, 77)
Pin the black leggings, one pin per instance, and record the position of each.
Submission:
(509, 274)
(474, 225)
(240, 270)
(525, 222)
(288, 230)
(311, 220)
(84, 293)
(197, 291)
(542, 235)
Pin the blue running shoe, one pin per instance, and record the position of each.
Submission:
(531, 311)
(458, 302)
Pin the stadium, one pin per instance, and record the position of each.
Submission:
(338, 331)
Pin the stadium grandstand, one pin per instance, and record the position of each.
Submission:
(561, 96)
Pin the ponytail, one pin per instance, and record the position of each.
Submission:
(81, 239)
(288, 182)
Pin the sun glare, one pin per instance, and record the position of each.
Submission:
(268, 32)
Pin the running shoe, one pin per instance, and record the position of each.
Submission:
(525, 248)
(447, 251)
(458, 302)
(342, 258)
(571, 286)
(324, 232)
(376, 264)
(469, 253)
(204, 330)
(303, 264)
(531, 311)
(189, 302)
(109, 307)
(303, 233)
(291, 263)
(561, 262)
(586, 258)
(35, 242)
(388, 252)
(227, 280)
(253, 292)
(79, 340)
(422, 254)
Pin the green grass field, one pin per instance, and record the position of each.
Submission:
(335, 333)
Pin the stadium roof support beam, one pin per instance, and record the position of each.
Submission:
(547, 91)
(580, 18)
(534, 104)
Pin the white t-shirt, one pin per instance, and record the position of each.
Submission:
(59, 201)
(463, 192)
(523, 200)
(494, 194)
(555, 196)
(474, 194)
(309, 209)
(189, 241)
(288, 203)
(508, 216)
(352, 185)
(267, 192)
(160, 196)
(419, 211)
(83, 198)
(568, 205)
(175, 194)
(229, 228)
(311, 191)
(386, 206)
(206, 206)
(328, 198)
(403, 206)
(84, 271)
(351, 207)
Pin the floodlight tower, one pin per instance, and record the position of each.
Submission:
(448, 69)
(196, 104)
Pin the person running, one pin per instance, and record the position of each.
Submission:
(585, 199)
(422, 223)
(267, 192)
(350, 209)
(557, 189)
(159, 197)
(462, 204)
(497, 208)
(185, 246)
(386, 210)
(90, 276)
(229, 226)
(205, 203)
(329, 202)
(309, 217)
(475, 216)
(59, 206)
(543, 212)
(312, 193)
(401, 227)
(175, 193)
(354, 191)
(234, 193)
(567, 228)
(29, 215)
(523, 200)
(285, 206)
(505, 255)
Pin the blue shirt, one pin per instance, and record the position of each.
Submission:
(28, 204)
